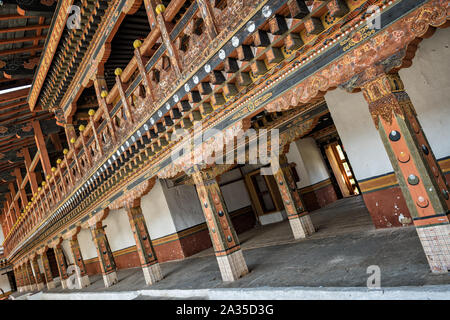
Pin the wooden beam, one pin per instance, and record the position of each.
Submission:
(21, 50)
(29, 166)
(20, 143)
(13, 105)
(38, 33)
(44, 116)
(40, 143)
(25, 39)
(4, 17)
(15, 113)
(14, 95)
(56, 141)
(22, 193)
(15, 204)
(25, 28)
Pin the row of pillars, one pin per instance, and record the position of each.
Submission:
(226, 244)
(420, 178)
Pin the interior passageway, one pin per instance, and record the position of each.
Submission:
(337, 255)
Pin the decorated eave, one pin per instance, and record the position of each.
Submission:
(64, 50)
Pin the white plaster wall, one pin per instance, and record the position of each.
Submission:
(359, 137)
(87, 246)
(312, 158)
(184, 206)
(118, 230)
(294, 156)
(68, 252)
(4, 283)
(235, 195)
(157, 213)
(309, 162)
(427, 82)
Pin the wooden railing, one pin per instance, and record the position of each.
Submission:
(158, 84)
(142, 86)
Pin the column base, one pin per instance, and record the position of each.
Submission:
(436, 245)
(40, 286)
(110, 279)
(32, 287)
(51, 285)
(64, 284)
(83, 281)
(302, 227)
(20, 289)
(152, 274)
(232, 266)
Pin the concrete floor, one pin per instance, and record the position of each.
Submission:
(337, 255)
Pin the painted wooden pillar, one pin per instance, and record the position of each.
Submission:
(72, 138)
(25, 283)
(147, 254)
(40, 143)
(226, 244)
(31, 279)
(62, 266)
(105, 256)
(37, 273)
(47, 271)
(101, 92)
(19, 281)
(82, 276)
(421, 180)
(155, 10)
(298, 217)
(31, 174)
(208, 16)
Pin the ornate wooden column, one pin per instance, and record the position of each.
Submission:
(82, 276)
(47, 270)
(105, 256)
(62, 266)
(37, 273)
(24, 277)
(418, 173)
(223, 236)
(147, 254)
(31, 280)
(299, 218)
(18, 276)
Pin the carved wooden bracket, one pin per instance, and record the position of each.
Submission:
(133, 197)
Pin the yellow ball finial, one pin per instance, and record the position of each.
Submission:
(65, 151)
(104, 94)
(81, 128)
(44, 183)
(72, 140)
(118, 71)
(137, 43)
(39, 189)
(53, 169)
(160, 8)
(91, 112)
(47, 177)
(58, 161)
